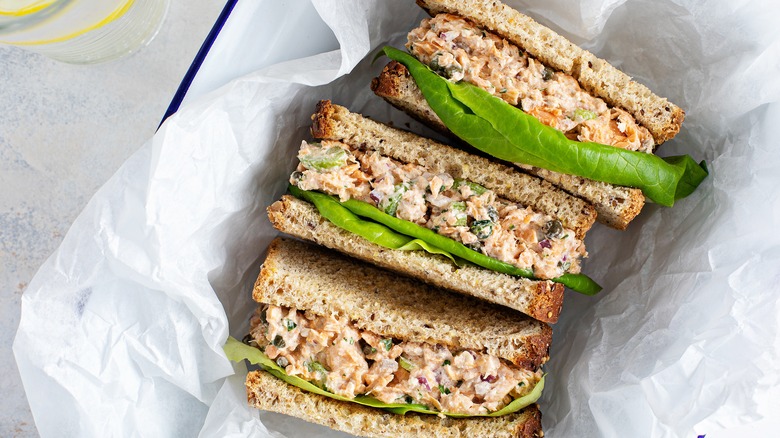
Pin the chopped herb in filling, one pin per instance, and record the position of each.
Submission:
(465, 381)
(458, 49)
(455, 208)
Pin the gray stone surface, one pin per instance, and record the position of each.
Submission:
(64, 130)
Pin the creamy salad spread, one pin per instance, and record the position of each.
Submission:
(334, 354)
(459, 50)
(461, 210)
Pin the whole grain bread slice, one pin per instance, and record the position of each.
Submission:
(616, 206)
(268, 393)
(541, 300)
(308, 277)
(334, 122)
(661, 117)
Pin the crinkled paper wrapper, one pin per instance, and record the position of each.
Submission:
(122, 328)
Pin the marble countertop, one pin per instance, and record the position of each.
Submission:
(64, 131)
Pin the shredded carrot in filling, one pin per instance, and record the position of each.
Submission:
(334, 354)
(458, 209)
(458, 49)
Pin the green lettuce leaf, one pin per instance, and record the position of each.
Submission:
(237, 351)
(376, 233)
(506, 132)
(384, 232)
(421, 245)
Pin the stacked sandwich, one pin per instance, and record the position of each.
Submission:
(368, 352)
(442, 326)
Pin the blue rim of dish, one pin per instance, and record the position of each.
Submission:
(184, 86)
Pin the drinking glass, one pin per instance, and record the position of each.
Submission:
(81, 31)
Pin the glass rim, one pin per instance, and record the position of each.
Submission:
(10, 23)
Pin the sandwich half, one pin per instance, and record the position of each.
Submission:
(439, 214)
(530, 67)
(361, 350)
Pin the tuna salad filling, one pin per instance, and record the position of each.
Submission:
(334, 354)
(458, 49)
(455, 208)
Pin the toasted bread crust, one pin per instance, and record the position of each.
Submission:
(661, 117)
(334, 122)
(541, 300)
(396, 86)
(307, 277)
(616, 206)
(271, 394)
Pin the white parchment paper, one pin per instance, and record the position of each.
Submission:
(122, 327)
